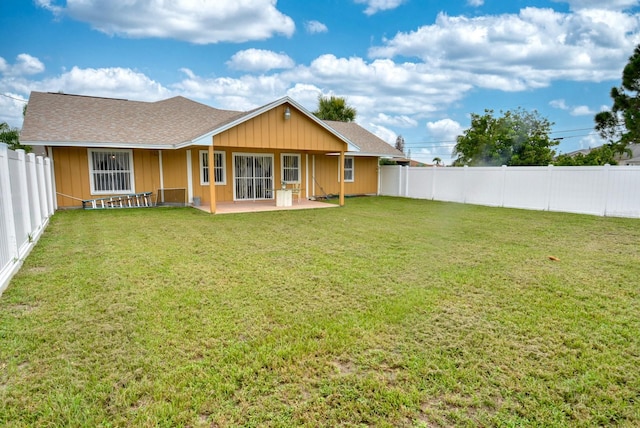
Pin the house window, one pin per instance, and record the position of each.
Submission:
(349, 172)
(111, 171)
(291, 168)
(219, 169)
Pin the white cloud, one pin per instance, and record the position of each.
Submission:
(475, 3)
(400, 121)
(259, 60)
(315, 27)
(195, 21)
(559, 104)
(599, 4)
(590, 141)
(444, 130)
(522, 51)
(112, 82)
(582, 111)
(375, 6)
(382, 132)
(442, 137)
(243, 93)
(25, 65)
(573, 110)
(11, 106)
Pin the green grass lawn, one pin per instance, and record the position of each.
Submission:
(387, 312)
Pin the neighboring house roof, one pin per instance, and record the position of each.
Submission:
(64, 119)
(625, 159)
(369, 144)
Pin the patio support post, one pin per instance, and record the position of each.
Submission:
(212, 182)
(341, 178)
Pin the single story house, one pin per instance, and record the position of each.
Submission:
(107, 146)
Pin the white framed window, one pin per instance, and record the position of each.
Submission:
(349, 169)
(290, 167)
(219, 167)
(111, 171)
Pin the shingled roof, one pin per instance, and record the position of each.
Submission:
(61, 118)
(64, 119)
(368, 143)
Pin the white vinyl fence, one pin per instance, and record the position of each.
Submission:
(598, 190)
(27, 200)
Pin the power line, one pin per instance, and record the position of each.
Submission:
(14, 98)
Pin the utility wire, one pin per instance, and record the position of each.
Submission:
(14, 98)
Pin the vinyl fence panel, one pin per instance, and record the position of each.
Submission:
(598, 190)
(26, 203)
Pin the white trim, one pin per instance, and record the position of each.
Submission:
(212, 171)
(189, 177)
(353, 169)
(98, 145)
(201, 153)
(313, 174)
(233, 166)
(223, 166)
(306, 176)
(297, 155)
(132, 181)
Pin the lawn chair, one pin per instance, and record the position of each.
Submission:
(297, 190)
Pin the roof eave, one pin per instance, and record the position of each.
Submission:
(94, 144)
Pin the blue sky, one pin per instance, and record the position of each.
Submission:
(415, 68)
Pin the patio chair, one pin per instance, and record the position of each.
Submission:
(297, 191)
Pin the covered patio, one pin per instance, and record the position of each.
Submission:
(263, 205)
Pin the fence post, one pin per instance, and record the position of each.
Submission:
(606, 170)
(6, 208)
(399, 180)
(465, 185)
(36, 216)
(504, 184)
(24, 190)
(41, 188)
(406, 181)
(433, 183)
(549, 185)
(49, 186)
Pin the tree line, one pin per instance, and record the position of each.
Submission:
(522, 137)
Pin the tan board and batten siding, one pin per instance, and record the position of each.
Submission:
(267, 133)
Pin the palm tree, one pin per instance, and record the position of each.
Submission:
(437, 161)
(334, 108)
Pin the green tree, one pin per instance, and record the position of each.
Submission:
(621, 125)
(11, 137)
(517, 137)
(437, 161)
(602, 155)
(334, 108)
